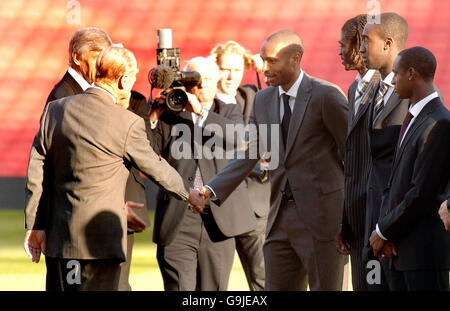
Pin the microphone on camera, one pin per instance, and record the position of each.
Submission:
(162, 77)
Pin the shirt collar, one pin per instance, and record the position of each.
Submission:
(97, 87)
(79, 78)
(417, 108)
(292, 92)
(226, 98)
(388, 79)
(368, 75)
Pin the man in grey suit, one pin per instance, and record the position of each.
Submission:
(232, 59)
(357, 156)
(84, 48)
(196, 252)
(80, 161)
(308, 117)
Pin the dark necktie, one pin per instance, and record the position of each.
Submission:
(287, 193)
(405, 124)
(378, 108)
(286, 118)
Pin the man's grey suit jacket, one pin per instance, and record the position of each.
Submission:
(81, 157)
(311, 161)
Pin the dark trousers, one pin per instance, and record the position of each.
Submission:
(82, 275)
(124, 283)
(249, 247)
(359, 281)
(294, 258)
(192, 261)
(421, 280)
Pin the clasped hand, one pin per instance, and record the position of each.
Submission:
(382, 248)
(198, 198)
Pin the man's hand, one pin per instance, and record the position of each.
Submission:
(341, 246)
(134, 222)
(194, 105)
(34, 244)
(388, 250)
(196, 201)
(445, 215)
(377, 244)
(155, 113)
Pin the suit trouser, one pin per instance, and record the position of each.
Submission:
(192, 261)
(359, 272)
(82, 275)
(249, 247)
(124, 283)
(293, 257)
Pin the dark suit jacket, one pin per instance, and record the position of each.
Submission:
(311, 161)
(382, 141)
(259, 193)
(135, 188)
(409, 213)
(67, 86)
(81, 155)
(357, 163)
(235, 216)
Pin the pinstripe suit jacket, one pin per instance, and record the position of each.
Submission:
(357, 163)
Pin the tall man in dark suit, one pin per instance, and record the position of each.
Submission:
(409, 228)
(308, 118)
(84, 48)
(196, 252)
(357, 156)
(79, 162)
(380, 46)
(233, 59)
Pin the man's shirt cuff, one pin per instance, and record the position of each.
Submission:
(379, 233)
(214, 197)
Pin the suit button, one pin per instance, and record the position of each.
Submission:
(191, 178)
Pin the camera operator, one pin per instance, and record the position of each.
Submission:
(195, 251)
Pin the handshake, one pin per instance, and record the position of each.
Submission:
(198, 199)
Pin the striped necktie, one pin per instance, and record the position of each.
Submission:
(378, 108)
(360, 90)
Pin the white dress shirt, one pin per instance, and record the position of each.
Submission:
(226, 98)
(292, 92)
(79, 78)
(388, 81)
(366, 79)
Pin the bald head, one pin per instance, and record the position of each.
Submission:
(393, 26)
(287, 38)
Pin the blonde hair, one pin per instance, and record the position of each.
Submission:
(114, 62)
(88, 39)
(231, 47)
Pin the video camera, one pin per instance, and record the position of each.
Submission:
(167, 75)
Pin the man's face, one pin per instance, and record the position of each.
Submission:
(403, 86)
(279, 64)
(87, 65)
(372, 47)
(345, 52)
(206, 91)
(231, 73)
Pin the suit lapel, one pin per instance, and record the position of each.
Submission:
(366, 99)
(72, 83)
(301, 103)
(429, 108)
(392, 102)
(273, 102)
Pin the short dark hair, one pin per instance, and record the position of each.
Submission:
(353, 29)
(296, 43)
(421, 59)
(394, 26)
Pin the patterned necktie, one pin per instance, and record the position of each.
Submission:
(360, 90)
(378, 108)
(405, 124)
(286, 117)
(198, 181)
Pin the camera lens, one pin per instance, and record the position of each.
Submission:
(176, 100)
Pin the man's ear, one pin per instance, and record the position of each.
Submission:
(122, 82)
(76, 58)
(388, 43)
(411, 73)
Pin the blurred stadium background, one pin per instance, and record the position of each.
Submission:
(33, 57)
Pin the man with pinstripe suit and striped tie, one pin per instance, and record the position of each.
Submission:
(357, 157)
